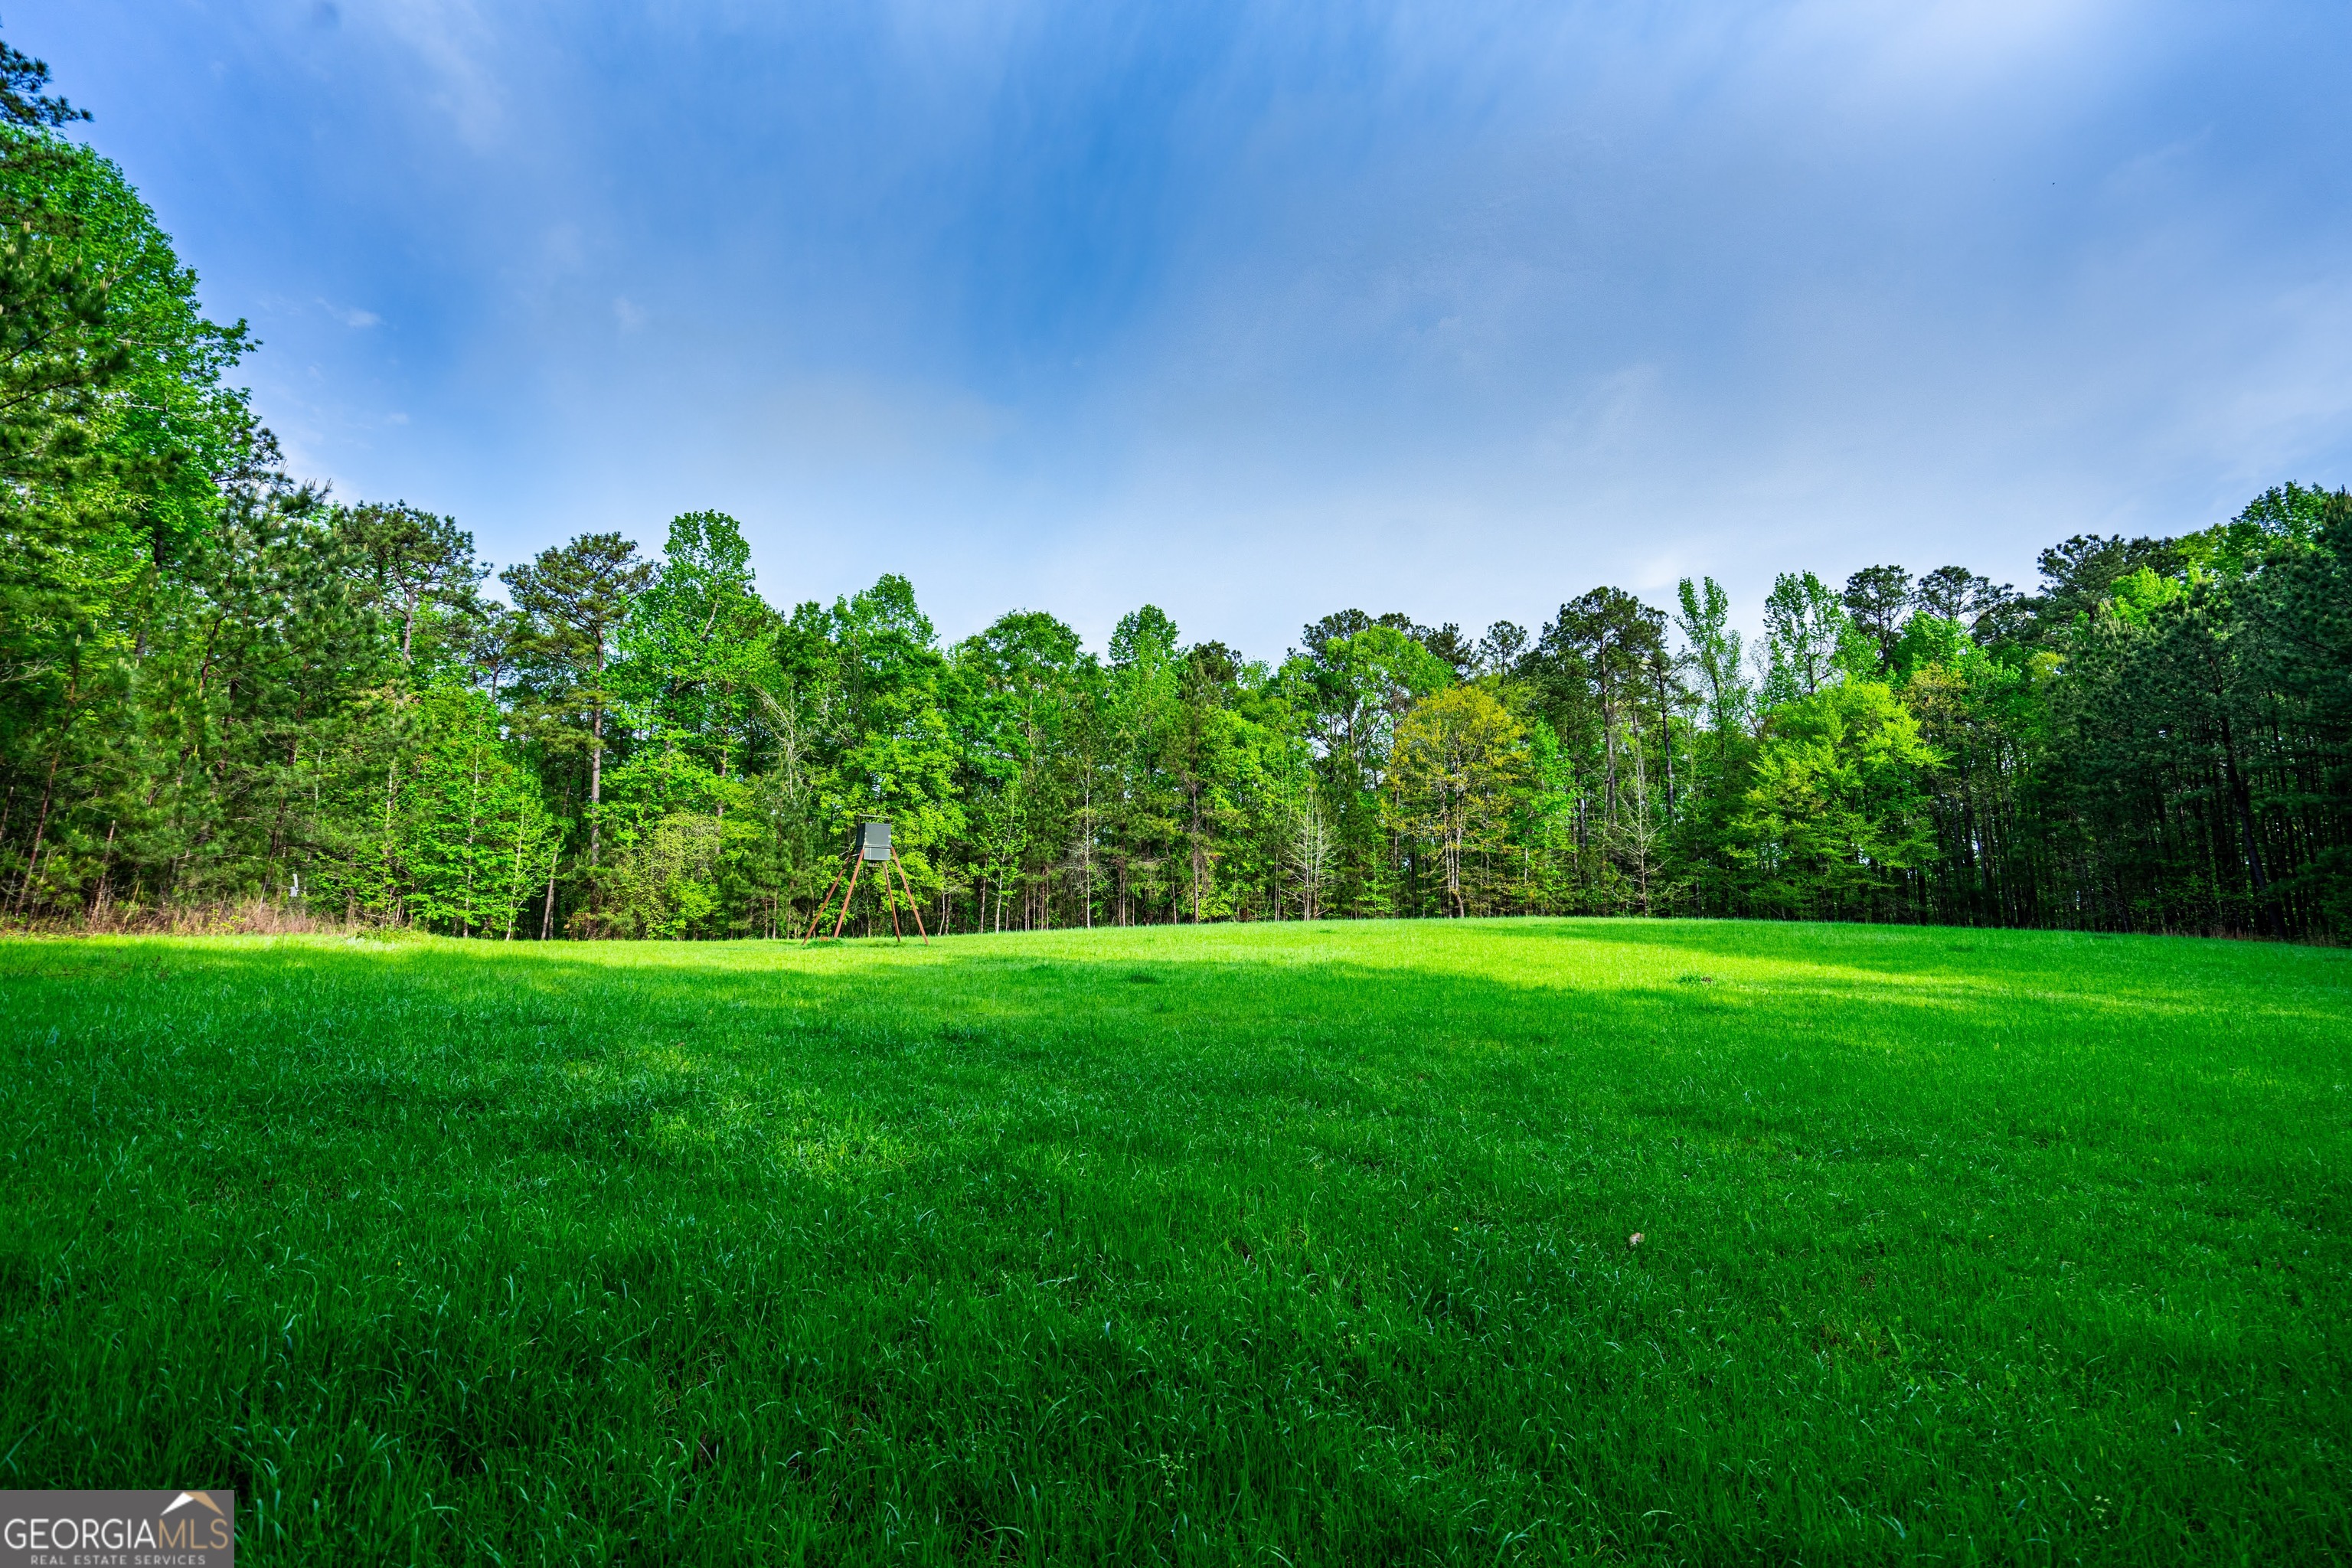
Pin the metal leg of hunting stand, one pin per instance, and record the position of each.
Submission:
(912, 903)
(856, 869)
(820, 903)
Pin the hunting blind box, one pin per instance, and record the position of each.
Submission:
(873, 845)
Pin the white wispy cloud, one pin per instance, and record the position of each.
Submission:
(1249, 309)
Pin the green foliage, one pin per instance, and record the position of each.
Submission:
(469, 836)
(698, 642)
(1457, 762)
(1836, 817)
(22, 101)
(414, 565)
(160, 434)
(1354, 689)
(1806, 632)
(2282, 521)
(1878, 599)
(666, 875)
(1715, 654)
(895, 750)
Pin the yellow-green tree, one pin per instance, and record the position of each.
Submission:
(1454, 764)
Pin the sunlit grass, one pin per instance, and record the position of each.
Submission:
(1276, 1243)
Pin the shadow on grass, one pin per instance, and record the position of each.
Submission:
(989, 1250)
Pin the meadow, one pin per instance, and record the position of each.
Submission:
(1268, 1243)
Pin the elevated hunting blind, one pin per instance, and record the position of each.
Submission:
(872, 844)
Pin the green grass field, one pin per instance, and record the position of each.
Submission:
(1278, 1244)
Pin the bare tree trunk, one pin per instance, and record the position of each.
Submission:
(105, 872)
(33, 863)
(391, 794)
(473, 825)
(2242, 799)
(1609, 747)
(1667, 729)
(596, 782)
(1196, 854)
(514, 882)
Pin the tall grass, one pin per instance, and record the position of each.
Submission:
(237, 917)
(1304, 1244)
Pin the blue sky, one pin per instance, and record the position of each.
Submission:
(1260, 312)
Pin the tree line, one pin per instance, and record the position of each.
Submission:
(218, 684)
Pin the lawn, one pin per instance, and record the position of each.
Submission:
(1271, 1243)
